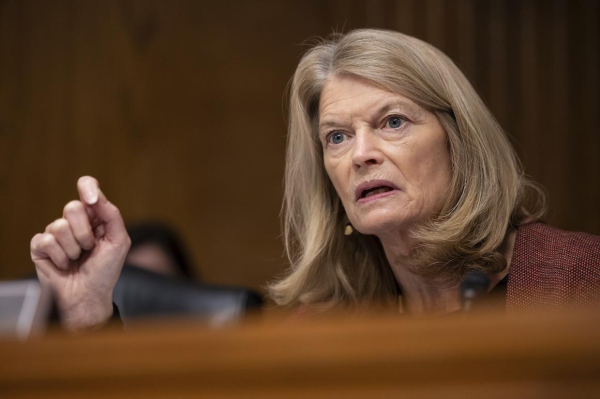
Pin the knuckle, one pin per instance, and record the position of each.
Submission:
(35, 241)
(72, 207)
(35, 238)
(58, 226)
(45, 241)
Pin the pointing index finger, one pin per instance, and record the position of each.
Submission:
(99, 207)
(88, 190)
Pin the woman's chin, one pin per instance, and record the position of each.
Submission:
(380, 227)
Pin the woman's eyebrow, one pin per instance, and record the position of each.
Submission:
(397, 103)
(328, 124)
(384, 108)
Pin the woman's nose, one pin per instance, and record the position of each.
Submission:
(366, 150)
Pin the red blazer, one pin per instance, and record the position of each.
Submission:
(553, 269)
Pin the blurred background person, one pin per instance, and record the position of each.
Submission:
(160, 249)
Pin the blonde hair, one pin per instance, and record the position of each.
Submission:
(487, 193)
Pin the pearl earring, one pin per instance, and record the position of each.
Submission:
(348, 230)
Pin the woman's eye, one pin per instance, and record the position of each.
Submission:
(336, 138)
(395, 122)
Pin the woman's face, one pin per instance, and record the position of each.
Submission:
(385, 155)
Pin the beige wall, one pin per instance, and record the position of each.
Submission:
(177, 108)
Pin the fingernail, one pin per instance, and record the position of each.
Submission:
(92, 197)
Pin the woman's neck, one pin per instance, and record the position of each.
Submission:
(421, 297)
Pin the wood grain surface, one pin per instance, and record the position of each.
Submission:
(349, 356)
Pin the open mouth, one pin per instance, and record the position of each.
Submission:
(374, 189)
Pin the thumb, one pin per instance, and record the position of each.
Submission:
(102, 209)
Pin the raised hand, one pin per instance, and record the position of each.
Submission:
(80, 256)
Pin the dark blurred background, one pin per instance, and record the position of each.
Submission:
(177, 107)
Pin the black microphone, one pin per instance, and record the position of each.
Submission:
(474, 286)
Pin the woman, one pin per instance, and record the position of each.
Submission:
(387, 134)
(398, 180)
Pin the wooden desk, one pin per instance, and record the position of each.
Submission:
(343, 357)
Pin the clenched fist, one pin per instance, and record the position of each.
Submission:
(80, 256)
